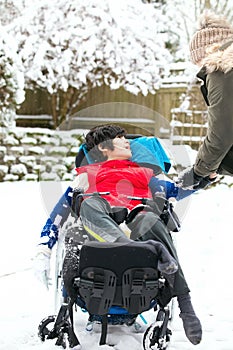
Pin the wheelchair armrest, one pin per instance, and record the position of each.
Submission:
(134, 212)
(77, 200)
(119, 214)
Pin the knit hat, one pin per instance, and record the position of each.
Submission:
(213, 29)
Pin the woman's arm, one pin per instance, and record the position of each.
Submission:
(219, 138)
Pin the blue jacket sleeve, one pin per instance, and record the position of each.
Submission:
(59, 214)
(168, 188)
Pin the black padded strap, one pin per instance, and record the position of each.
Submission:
(104, 330)
(72, 338)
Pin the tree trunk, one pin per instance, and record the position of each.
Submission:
(54, 110)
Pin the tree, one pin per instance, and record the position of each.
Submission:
(186, 23)
(70, 46)
(183, 19)
(8, 11)
(11, 80)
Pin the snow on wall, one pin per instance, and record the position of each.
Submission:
(38, 154)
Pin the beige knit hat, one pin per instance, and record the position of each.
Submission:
(213, 29)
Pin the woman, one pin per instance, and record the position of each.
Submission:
(211, 48)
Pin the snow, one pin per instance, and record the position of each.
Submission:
(63, 43)
(205, 250)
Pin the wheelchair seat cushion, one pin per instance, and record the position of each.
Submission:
(117, 274)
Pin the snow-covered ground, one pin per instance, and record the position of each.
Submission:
(205, 249)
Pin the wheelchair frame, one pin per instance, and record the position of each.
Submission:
(73, 240)
(101, 291)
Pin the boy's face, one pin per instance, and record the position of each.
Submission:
(121, 149)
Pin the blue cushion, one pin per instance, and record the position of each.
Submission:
(147, 150)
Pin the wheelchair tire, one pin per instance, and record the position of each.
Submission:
(43, 330)
(152, 338)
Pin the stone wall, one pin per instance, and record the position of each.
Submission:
(38, 154)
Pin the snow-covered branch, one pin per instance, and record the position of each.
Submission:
(11, 80)
(86, 44)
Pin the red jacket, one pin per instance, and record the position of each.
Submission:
(122, 178)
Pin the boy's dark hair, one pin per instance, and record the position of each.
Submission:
(103, 134)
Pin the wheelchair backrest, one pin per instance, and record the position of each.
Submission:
(118, 274)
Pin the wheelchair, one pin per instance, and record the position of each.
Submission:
(89, 276)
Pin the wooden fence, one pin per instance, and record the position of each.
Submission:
(157, 114)
(188, 127)
(37, 105)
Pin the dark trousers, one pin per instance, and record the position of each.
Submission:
(95, 217)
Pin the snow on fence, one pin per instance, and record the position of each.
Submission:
(40, 120)
(188, 127)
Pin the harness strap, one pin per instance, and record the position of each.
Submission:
(72, 338)
(136, 290)
(104, 330)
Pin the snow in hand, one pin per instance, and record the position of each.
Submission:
(204, 246)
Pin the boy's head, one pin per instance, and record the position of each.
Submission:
(101, 137)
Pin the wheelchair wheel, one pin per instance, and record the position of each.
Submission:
(43, 329)
(48, 330)
(71, 238)
(154, 339)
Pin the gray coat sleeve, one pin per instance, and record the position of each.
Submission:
(219, 138)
